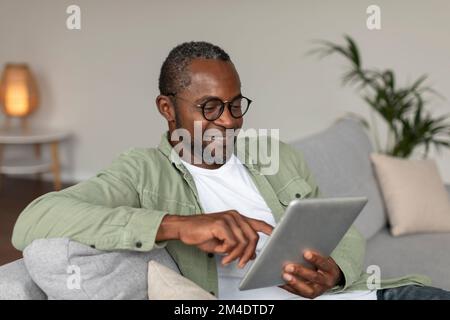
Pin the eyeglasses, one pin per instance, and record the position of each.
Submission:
(213, 108)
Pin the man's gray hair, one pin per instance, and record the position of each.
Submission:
(174, 77)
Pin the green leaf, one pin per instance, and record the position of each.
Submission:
(402, 108)
(354, 52)
(418, 82)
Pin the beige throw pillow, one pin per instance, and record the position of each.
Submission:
(166, 284)
(415, 196)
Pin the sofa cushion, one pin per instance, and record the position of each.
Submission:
(339, 160)
(65, 269)
(16, 283)
(414, 195)
(425, 254)
(167, 284)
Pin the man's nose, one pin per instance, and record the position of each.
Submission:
(226, 119)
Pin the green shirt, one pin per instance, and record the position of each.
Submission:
(121, 208)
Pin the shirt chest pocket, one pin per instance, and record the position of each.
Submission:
(296, 188)
(153, 200)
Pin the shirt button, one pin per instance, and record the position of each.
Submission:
(298, 195)
(210, 255)
(138, 244)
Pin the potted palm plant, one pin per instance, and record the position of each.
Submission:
(402, 108)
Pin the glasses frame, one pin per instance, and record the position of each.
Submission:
(223, 104)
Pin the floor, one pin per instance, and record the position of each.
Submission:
(15, 195)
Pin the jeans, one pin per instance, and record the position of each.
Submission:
(413, 292)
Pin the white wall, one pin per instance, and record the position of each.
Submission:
(101, 82)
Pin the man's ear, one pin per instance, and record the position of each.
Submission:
(166, 107)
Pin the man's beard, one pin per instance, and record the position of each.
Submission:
(216, 151)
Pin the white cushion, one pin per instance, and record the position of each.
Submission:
(415, 196)
(166, 284)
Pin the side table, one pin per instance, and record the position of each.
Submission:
(36, 137)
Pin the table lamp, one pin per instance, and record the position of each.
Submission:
(18, 92)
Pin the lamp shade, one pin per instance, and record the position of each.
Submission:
(18, 91)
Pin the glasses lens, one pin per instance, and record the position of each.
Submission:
(239, 107)
(212, 109)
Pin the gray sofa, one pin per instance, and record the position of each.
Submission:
(339, 160)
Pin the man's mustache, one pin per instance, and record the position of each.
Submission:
(228, 134)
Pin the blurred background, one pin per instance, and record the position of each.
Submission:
(99, 83)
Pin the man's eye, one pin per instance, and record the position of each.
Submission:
(237, 103)
(210, 109)
(211, 106)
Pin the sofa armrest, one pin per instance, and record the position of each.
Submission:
(16, 283)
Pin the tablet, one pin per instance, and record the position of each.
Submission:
(318, 224)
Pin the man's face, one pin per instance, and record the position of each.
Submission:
(209, 78)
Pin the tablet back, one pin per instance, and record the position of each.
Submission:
(318, 224)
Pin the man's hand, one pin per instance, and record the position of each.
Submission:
(226, 232)
(310, 283)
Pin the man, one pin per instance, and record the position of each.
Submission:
(211, 216)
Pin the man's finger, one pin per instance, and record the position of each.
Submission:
(226, 238)
(260, 226)
(242, 240)
(287, 287)
(318, 260)
(252, 237)
(307, 274)
(300, 286)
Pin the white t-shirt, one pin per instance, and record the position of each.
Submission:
(230, 187)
